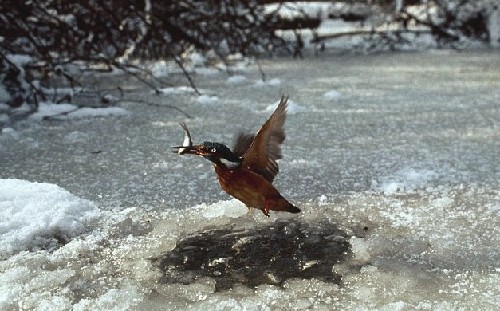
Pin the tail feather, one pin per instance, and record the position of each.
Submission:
(285, 206)
(293, 209)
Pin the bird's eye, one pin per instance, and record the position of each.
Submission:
(213, 150)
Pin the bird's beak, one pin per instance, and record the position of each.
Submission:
(196, 150)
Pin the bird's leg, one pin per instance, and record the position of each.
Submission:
(267, 207)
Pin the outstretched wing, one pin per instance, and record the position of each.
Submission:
(242, 142)
(265, 148)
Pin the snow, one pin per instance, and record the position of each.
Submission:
(207, 99)
(177, 90)
(160, 69)
(332, 95)
(70, 111)
(87, 112)
(406, 167)
(237, 80)
(270, 82)
(38, 215)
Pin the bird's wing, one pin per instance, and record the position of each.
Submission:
(242, 142)
(265, 149)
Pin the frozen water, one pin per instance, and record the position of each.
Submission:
(404, 169)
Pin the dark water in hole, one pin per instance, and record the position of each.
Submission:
(269, 254)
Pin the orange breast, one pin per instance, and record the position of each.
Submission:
(246, 186)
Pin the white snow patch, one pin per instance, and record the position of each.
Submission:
(69, 111)
(237, 80)
(8, 130)
(332, 95)
(177, 90)
(207, 99)
(34, 215)
(49, 109)
(197, 59)
(322, 199)
(160, 69)
(292, 107)
(271, 82)
(206, 71)
(20, 59)
(87, 112)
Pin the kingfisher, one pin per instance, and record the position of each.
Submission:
(247, 171)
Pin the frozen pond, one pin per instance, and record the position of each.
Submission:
(393, 159)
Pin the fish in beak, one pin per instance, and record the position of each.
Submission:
(187, 146)
(187, 143)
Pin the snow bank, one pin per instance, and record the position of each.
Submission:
(40, 216)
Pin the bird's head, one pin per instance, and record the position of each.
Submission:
(215, 152)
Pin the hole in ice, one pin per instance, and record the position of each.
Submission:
(268, 254)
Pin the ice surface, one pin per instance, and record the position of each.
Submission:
(405, 165)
